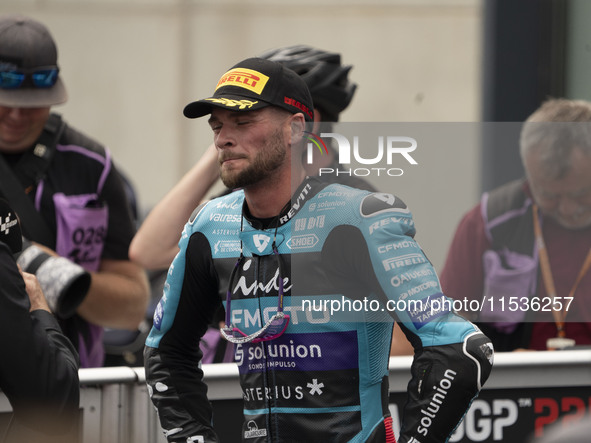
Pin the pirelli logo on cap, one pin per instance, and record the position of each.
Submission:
(244, 78)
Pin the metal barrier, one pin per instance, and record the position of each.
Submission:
(115, 406)
(525, 393)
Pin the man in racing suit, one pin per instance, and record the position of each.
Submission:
(312, 276)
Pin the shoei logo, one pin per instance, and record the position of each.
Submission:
(260, 241)
(389, 150)
(254, 431)
(244, 78)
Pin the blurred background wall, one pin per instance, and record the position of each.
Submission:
(130, 66)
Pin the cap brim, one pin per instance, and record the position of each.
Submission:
(203, 107)
(34, 97)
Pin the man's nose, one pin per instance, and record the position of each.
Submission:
(17, 113)
(224, 138)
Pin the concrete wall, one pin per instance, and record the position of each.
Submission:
(131, 65)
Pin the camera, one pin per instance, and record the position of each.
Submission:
(64, 283)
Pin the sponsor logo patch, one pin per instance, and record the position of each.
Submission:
(302, 241)
(244, 78)
(254, 431)
(428, 309)
(401, 261)
(240, 104)
(261, 241)
(158, 313)
(380, 202)
(224, 246)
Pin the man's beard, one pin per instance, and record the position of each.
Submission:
(581, 220)
(268, 159)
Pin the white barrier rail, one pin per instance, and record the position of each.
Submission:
(115, 407)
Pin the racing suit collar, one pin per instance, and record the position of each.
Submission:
(307, 189)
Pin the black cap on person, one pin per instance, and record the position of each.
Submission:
(253, 84)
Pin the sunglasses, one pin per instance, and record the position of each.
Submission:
(273, 328)
(43, 77)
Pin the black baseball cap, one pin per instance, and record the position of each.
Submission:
(253, 84)
(26, 44)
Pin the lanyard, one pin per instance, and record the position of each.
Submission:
(559, 315)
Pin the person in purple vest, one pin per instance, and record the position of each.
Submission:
(524, 252)
(69, 196)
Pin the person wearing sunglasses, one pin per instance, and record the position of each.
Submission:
(66, 189)
(280, 253)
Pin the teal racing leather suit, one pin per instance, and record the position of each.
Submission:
(350, 268)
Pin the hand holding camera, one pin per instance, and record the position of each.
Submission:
(34, 291)
(64, 283)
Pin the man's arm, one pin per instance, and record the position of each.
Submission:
(118, 295)
(172, 354)
(39, 371)
(452, 358)
(156, 242)
(462, 275)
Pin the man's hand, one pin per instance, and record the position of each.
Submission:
(34, 292)
(64, 283)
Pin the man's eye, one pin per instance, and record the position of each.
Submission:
(242, 122)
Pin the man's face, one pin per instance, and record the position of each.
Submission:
(568, 199)
(252, 146)
(20, 127)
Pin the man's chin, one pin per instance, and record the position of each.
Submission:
(13, 147)
(576, 223)
(232, 180)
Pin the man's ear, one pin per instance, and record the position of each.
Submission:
(298, 126)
